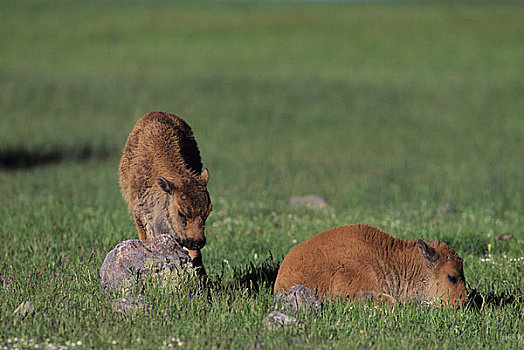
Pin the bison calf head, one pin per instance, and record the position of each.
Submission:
(445, 275)
(185, 210)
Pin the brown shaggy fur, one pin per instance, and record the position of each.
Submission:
(362, 261)
(163, 183)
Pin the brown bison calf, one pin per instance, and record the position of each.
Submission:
(362, 261)
(163, 183)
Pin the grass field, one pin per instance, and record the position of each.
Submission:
(387, 110)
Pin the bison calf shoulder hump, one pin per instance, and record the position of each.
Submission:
(360, 260)
(162, 180)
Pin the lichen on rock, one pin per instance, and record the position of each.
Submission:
(135, 263)
(298, 298)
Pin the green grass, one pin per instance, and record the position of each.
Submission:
(387, 110)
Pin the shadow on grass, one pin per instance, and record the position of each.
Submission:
(21, 158)
(251, 277)
(254, 278)
(477, 300)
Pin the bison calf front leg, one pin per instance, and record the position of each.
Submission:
(381, 298)
(142, 233)
(196, 256)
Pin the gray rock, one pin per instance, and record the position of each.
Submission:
(276, 320)
(298, 298)
(130, 306)
(136, 262)
(311, 201)
(27, 308)
(6, 282)
(447, 208)
(504, 237)
(258, 344)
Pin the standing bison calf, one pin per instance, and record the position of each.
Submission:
(162, 180)
(362, 261)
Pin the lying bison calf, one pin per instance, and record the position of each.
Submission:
(361, 261)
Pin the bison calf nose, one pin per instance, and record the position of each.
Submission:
(194, 244)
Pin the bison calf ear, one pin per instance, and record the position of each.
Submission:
(205, 176)
(426, 251)
(165, 185)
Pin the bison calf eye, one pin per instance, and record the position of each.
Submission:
(452, 279)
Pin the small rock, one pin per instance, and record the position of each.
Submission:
(504, 237)
(27, 308)
(298, 340)
(130, 306)
(6, 281)
(340, 324)
(298, 298)
(135, 262)
(258, 344)
(447, 208)
(311, 201)
(276, 320)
